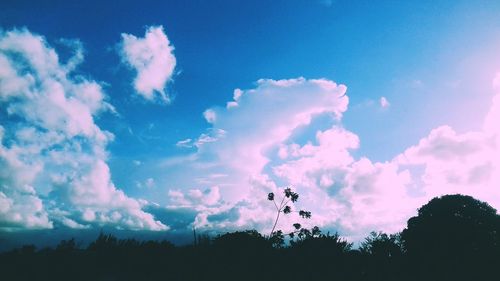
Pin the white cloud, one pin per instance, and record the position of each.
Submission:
(196, 198)
(148, 183)
(384, 103)
(153, 59)
(184, 143)
(267, 116)
(210, 116)
(55, 149)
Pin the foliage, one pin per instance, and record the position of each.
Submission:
(452, 223)
(381, 245)
(454, 235)
(315, 241)
(241, 240)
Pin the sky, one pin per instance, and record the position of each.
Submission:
(151, 118)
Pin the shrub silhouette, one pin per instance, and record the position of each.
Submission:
(382, 246)
(241, 254)
(249, 240)
(382, 255)
(320, 255)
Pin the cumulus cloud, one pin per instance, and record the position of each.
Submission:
(52, 157)
(259, 154)
(267, 116)
(465, 163)
(244, 135)
(153, 59)
(196, 198)
(355, 196)
(263, 149)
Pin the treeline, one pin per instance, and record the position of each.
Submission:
(453, 237)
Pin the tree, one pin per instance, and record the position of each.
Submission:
(316, 243)
(66, 246)
(452, 223)
(381, 245)
(104, 242)
(454, 235)
(241, 241)
(320, 256)
(382, 255)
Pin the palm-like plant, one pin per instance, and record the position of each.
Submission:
(289, 197)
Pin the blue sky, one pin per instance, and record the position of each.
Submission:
(355, 104)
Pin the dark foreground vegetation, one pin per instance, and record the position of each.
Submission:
(454, 237)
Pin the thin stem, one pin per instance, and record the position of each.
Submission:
(281, 204)
(275, 222)
(276, 205)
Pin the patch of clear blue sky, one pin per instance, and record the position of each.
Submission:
(376, 48)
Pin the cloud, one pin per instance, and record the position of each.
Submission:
(309, 163)
(465, 163)
(496, 81)
(184, 143)
(52, 154)
(354, 196)
(148, 183)
(267, 116)
(210, 116)
(266, 145)
(153, 59)
(196, 198)
(241, 141)
(384, 103)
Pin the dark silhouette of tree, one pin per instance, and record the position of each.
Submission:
(382, 245)
(104, 242)
(316, 242)
(454, 236)
(383, 256)
(320, 255)
(241, 254)
(66, 246)
(241, 240)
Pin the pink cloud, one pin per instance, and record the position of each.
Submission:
(353, 195)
